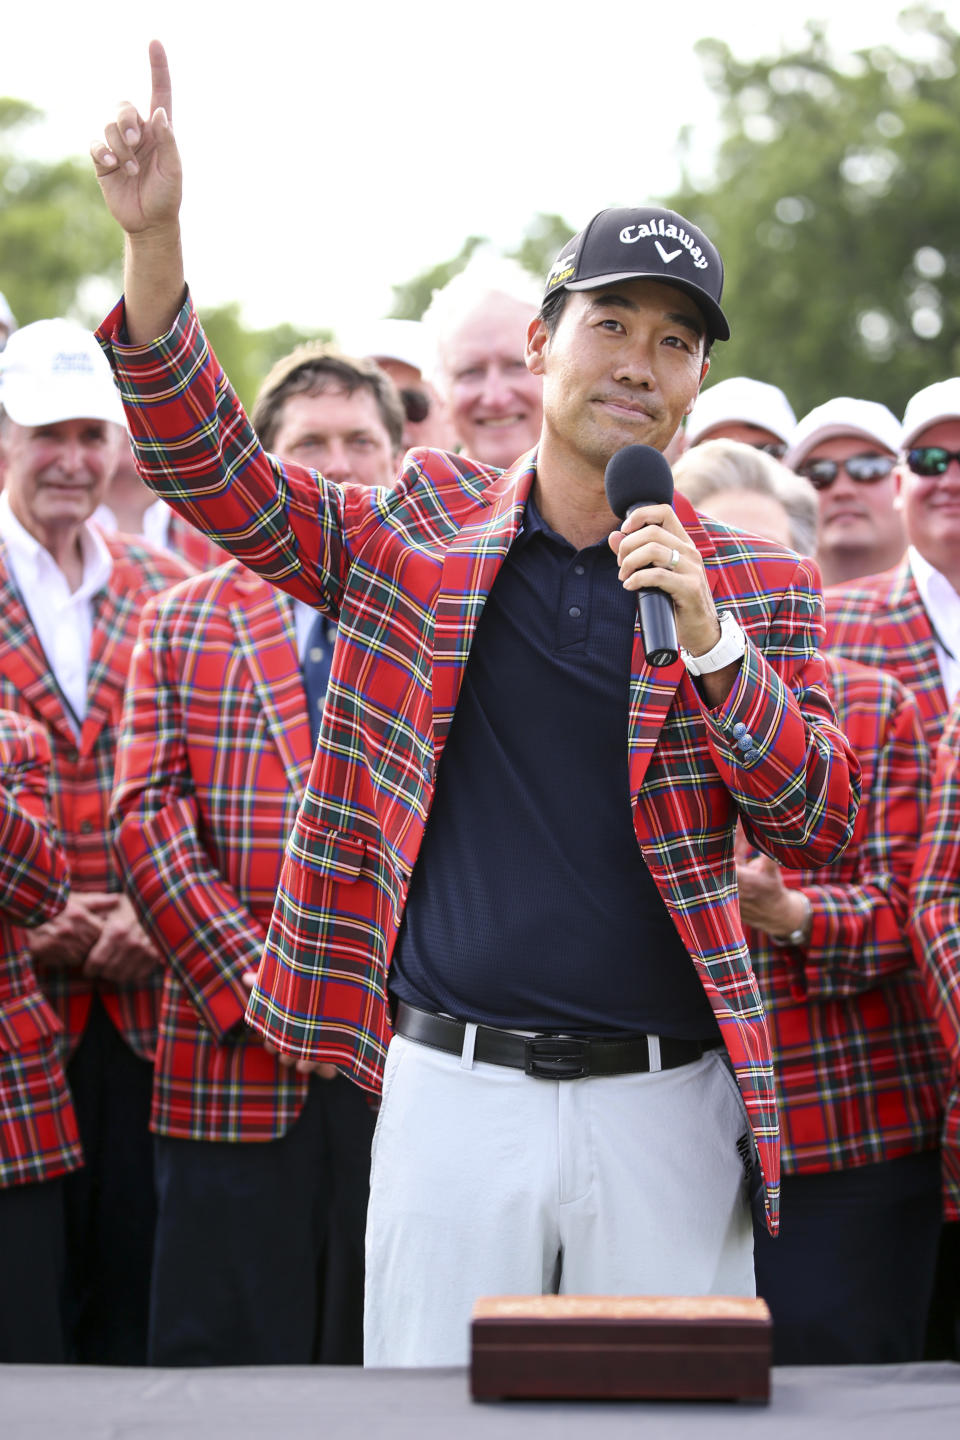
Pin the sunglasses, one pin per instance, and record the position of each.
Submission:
(776, 448)
(416, 404)
(931, 459)
(864, 469)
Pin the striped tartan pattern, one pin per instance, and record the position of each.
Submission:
(880, 620)
(935, 930)
(406, 571)
(81, 774)
(197, 549)
(213, 757)
(860, 1069)
(38, 1128)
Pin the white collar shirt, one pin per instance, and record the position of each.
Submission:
(942, 604)
(156, 524)
(63, 619)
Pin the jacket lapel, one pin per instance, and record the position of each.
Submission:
(266, 636)
(652, 691)
(470, 566)
(116, 619)
(24, 663)
(906, 608)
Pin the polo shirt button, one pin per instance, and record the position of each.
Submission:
(745, 743)
(574, 611)
(86, 827)
(739, 729)
(579, 570)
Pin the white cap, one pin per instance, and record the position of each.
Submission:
(844, 416)
(54, 370)
(928, 407)
(7, 318)
(401, 340)
(740, 399)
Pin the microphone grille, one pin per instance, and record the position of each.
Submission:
(637, 475)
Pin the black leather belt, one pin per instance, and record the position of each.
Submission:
(547, 1057)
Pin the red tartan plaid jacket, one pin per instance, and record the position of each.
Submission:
(880, 620)
(38, 1128)
(860, 1069)
(197, 549)
(406, 571)
(213, 757)
(81, 773)
(935, 930)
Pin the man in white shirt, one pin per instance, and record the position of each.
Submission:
(70, 600)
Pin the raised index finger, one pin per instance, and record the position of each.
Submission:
(161, 92)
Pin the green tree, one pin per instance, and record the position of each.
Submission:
(55, 234)
(411, 298)
(836, 206)
(542, 239)
(246, 355)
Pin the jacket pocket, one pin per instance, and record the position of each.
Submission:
(336, 853)
(26, 1019)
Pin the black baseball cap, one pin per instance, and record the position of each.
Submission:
(646, 244)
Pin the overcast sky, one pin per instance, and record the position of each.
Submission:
(332, 151)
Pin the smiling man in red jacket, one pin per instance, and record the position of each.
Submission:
(576, 876)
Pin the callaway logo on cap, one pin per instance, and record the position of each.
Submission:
(647, 244)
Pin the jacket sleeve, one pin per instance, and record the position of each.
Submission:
(858, 937)
(776, 743)
(202, 928)
(196, 448)
(33, 867)
(935, 930)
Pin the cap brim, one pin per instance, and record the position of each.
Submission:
(50, 409)
(906, 442)
(717, 326)
(796, 454)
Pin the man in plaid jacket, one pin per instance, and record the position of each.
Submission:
(858, 1064)
(214, 755)
(935, 929)
(39, 1144)
(614, 1158)
(908, 621)
(71, 602)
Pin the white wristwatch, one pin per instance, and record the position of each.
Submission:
(729, 647)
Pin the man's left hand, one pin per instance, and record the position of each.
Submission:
(124, 953)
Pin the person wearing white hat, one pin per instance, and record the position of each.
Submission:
(70, 602)
(750, 411)
(400, 347)
(478, 325)
(847, 449)
(908, 621)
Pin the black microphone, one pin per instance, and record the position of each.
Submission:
(639, 475)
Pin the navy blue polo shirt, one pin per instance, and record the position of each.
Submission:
(530, 906)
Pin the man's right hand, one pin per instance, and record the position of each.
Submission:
(303, 1067)
(138, 167)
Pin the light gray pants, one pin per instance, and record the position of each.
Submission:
(487, 1181)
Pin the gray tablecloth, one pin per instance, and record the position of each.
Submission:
(910, 1402)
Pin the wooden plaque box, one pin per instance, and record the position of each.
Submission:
(594, 1347)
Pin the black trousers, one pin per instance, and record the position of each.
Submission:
(850, 1276)
(110, 1206)
(32, 1264)
(259, 1252)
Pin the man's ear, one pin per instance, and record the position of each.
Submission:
(538, 340)
(703, 375)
